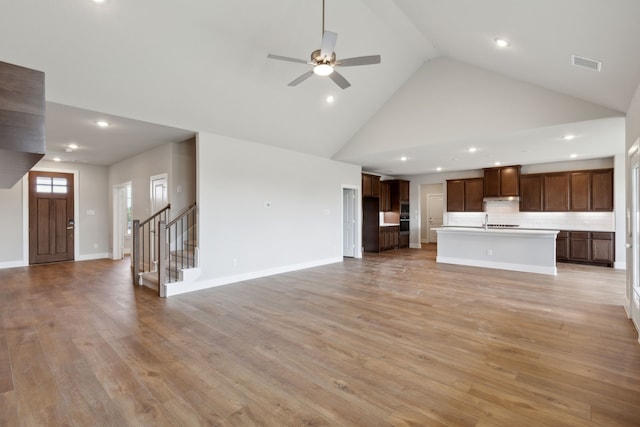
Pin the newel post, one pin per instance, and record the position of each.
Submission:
(162, 257)
(135, 256)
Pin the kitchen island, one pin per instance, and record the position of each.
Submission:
(532, 251)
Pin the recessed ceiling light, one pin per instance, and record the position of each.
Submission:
(472, 149)
(103, 123)
(568, 137)
(438, 168)
(99, 1)
(573, 156)
(403, 158)
(501, 43)
(57, 159)
(73, 146)
(497, 163)
(330, 99)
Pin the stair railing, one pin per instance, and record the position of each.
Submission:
(180, 250)
(145, 256)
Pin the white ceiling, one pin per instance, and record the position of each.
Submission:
(201, 65)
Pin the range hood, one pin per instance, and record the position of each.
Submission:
(22, 122)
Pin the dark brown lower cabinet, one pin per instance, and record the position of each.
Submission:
(586, 247)
(389, 236)
(562, 246)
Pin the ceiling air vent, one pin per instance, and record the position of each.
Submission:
(591, 64)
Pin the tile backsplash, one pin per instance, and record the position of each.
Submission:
(508, 212)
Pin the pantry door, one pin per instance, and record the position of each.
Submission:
(51, 222)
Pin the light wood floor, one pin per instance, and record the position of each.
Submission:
(392, 339)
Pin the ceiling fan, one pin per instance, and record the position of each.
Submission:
(324, 60)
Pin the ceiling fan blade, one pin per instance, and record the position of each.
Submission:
(339, 80)
(302, 78)
(286, 58)
(360, 60)
(328, 44)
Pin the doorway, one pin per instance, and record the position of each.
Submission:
(633, 234)
(122, 220)
(434, 216)
(349, 222)
(159, 196)
(51, 217)
(431, 211)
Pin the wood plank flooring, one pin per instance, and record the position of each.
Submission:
(393, 339)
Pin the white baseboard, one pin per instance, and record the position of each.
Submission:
(184, 287)
(415, 246)
(620, 265)
(552, 271)
(89, 257)
(13, 264)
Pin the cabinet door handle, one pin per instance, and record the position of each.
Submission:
(628, 245)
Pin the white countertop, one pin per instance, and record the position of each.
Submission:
(515, 230)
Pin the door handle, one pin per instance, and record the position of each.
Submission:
(628, 245)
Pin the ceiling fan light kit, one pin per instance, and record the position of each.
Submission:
(324, 60)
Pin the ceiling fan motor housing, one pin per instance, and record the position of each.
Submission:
(317, 58)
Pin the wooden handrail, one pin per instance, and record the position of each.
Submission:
(155, 214)
(183, 214)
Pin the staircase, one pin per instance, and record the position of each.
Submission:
(164, 252)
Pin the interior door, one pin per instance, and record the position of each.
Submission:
(51, 222)
(159, 197)
(349, 222)
(435, 215)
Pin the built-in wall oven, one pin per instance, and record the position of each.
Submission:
(404, 216)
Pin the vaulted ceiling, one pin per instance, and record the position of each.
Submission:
(202, 66)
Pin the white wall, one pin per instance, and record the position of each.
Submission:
(265, 210)
(445, 93)
(182, 176)
(139, 169)
(92, 222)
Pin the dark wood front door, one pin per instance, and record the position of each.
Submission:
(51, 221)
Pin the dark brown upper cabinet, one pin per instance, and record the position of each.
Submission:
(576, 191)
(370, 185)
(502, 182)
(591, 190)
(602, 190)
(397, 192)
(556, 192)
(465, 195)
(385, 196)
(531, 193)
(580, 191)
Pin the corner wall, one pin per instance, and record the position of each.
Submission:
(265, 210)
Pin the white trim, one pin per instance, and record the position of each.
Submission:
(184, 287)
(358, 226)
(12, 264)
(620, 265)
(415, 245)
(25, 210)
(499, 265)
(115, 202)
(89, 257)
